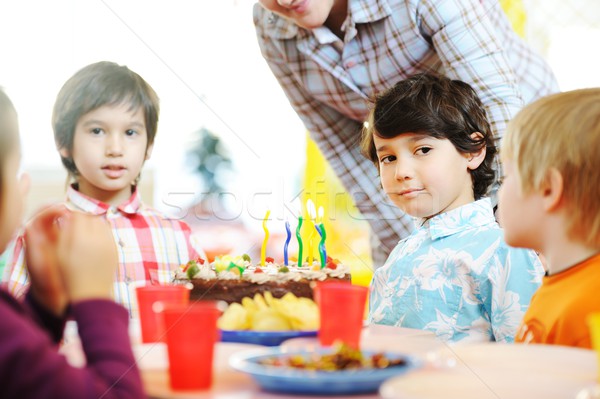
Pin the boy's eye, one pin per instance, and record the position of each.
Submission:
(423, 150)
(130, 132)
(96, 130)
(387, 159)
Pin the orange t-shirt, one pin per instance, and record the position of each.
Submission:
(558, 310)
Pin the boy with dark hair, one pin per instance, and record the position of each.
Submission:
(430, 140)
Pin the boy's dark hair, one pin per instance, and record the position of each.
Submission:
(8, 138)
(440, 107)
(102, 83)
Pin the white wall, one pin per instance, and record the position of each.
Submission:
(202, 59)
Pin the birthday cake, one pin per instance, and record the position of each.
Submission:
(231, 279)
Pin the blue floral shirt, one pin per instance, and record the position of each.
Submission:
(455, 276)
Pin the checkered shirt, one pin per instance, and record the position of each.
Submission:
(148, 244)
(329, 81)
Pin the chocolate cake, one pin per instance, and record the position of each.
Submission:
(231, 279)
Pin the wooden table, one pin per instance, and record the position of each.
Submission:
(479, 370)
(493, 371)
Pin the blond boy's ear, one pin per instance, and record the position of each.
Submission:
(474, 159)
(552, 190)
(149, 151)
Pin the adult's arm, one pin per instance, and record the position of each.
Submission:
(469, 47)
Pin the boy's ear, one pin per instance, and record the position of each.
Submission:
(474, 159)
(64, 152)
(149, 151)
(552, 189)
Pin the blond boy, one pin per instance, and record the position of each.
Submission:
(549, 202)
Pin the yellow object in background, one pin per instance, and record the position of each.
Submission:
(515, 11)
(347, 235)
(594, 325)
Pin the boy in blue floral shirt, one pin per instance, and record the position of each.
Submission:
(454, 275)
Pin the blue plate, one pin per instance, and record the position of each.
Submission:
(267, 338)
(298, 381)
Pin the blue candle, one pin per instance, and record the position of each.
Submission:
(287, 242)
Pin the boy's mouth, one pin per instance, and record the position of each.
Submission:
(410, 193)
(114, 171)
(300, 7)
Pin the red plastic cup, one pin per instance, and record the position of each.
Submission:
(342, 310)
(147, 296)
(191, 335)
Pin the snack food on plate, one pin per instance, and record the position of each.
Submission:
(232, 279)
(342, 358)
(265, 313)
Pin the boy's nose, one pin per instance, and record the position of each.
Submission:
(114, 146)
(403, 170)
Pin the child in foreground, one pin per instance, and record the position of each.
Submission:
(454, 275)
(549, 202)
(105, 121)
(30, 366)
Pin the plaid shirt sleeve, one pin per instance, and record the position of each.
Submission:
(15, 274)
(470, 50)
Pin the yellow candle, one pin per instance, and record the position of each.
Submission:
(312, 214)
(320, 215)
(263, 250)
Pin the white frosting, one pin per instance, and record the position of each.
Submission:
(257, 278)
(206, 273)
(339, 272)
(179, 275)
(227, 275)
(270, 272)
(289, 276)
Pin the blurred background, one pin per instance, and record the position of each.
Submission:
(229, 147)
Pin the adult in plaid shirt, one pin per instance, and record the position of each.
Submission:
(105, 120)
(332, 56)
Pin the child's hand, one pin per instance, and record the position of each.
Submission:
(41, 234)
(88, 256)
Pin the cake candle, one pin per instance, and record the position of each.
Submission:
(263, 250)
(321, 229)
(312, 214)
(322, 252)
(287, 242)
(299, 237)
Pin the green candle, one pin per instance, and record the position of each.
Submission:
(299, 237)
